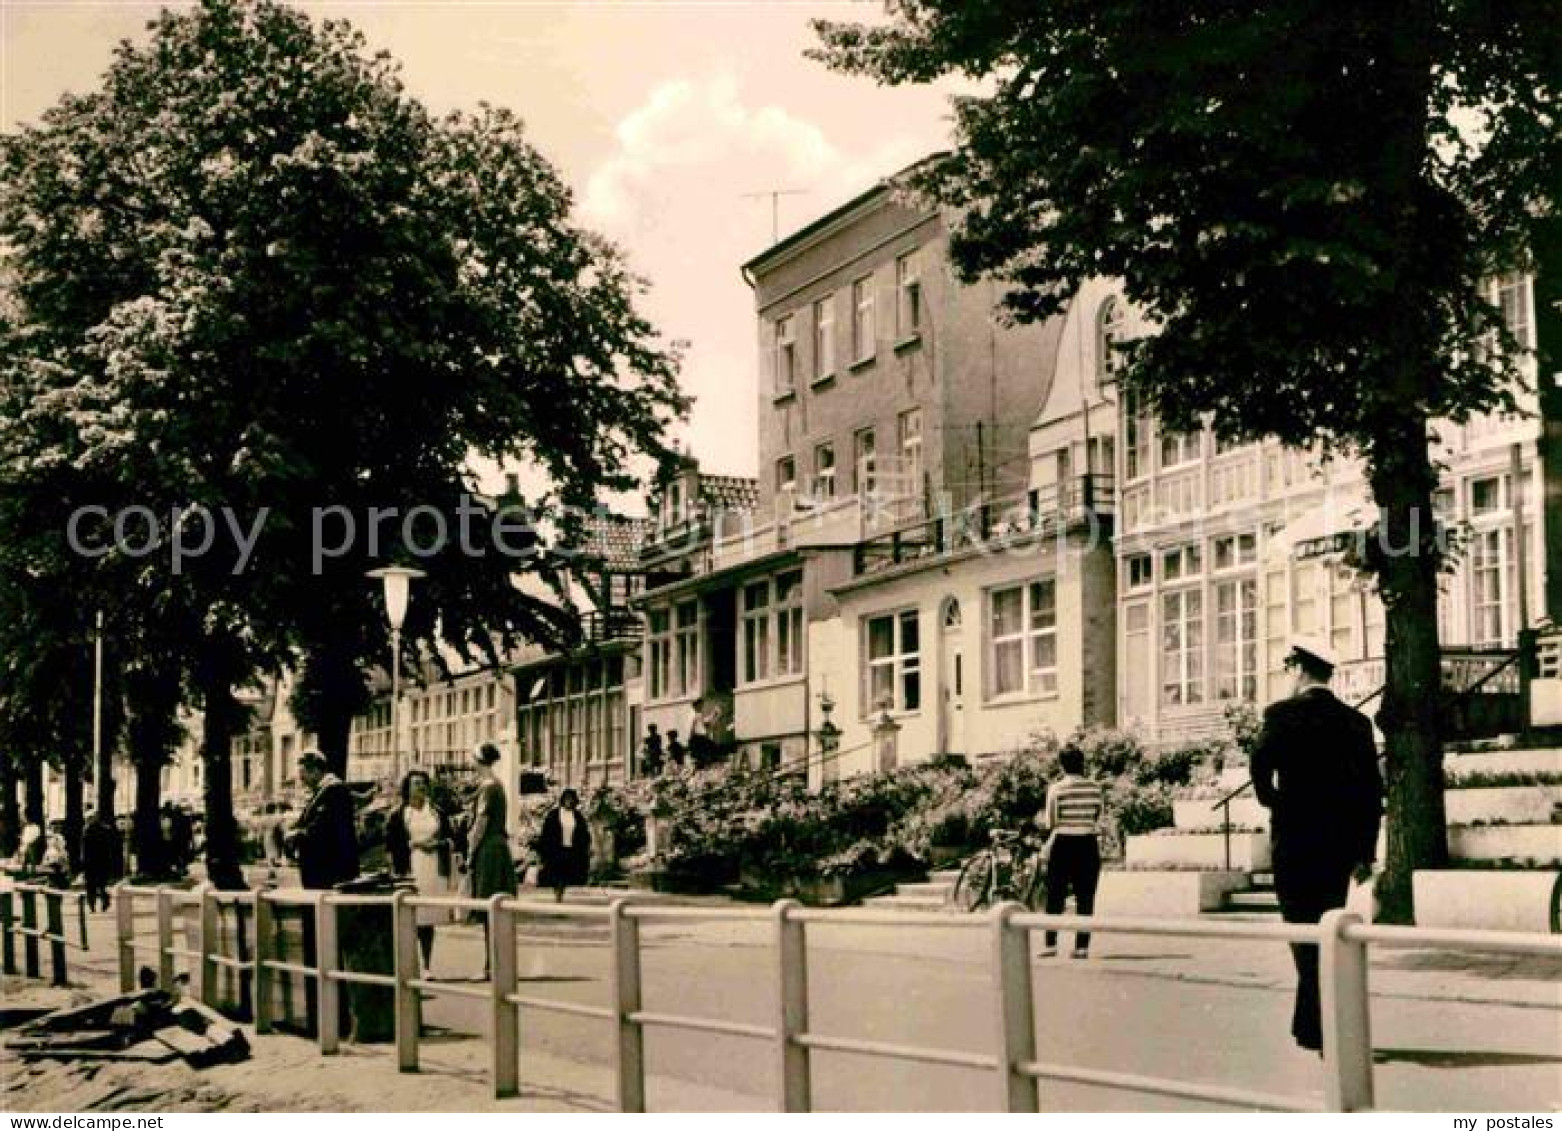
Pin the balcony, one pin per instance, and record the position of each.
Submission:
(599, 626)
(798, 522)
(1483, 691)
(1086, 501)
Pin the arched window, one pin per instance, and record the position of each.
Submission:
(1109, 330)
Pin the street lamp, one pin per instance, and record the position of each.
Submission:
(397, 581)
(886, 737)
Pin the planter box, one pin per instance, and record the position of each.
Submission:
(1202, 814)
(1494, 900)
(1171, 895)
(1545, 760)
(1516, 804)
(1506, 842)
(1249, 851)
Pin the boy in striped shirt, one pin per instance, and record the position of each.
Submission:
(1073, 814)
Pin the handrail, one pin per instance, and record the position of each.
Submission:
(1014, 1066)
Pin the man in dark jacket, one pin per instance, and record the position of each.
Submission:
(101, 860)
(324, 840)
(1316, 769)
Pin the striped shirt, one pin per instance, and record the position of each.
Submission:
(1074, 806)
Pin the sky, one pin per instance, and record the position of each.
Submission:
(662, 115)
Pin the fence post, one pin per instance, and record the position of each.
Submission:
(7, 929)
(327, 959)
(165, 938)
(265, 938)
(507, 1015)
(404, 924)
(54, 910)
(29, 938)
(629, 1051)
(125, 936)
(1013, 1010)
(207, 933)
(793, 1072)
(1347, 1034)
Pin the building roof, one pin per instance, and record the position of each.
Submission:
(729, 492)
(614, 540)
(808, 230)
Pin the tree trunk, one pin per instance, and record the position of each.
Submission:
(32, 781)
(152, 732)
(1407, 561)
(330, 693)
(74, 766)
(333, 730)
(220, 721)
(10, 808)
(1548, 341)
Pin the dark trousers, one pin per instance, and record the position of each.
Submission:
(1074, 865)
(97, 891)
(1306, 889)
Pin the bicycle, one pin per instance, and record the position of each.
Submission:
(1012, 867)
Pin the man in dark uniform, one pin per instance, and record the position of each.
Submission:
(1316, 769)
(324, 838)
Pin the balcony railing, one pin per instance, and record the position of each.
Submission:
(1085, 499)
(602, 625)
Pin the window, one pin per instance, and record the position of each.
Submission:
(863, 461)
(1493, 581)
(686, 652)
(824, 337)
(1109, 331)
(894, 663)
(1236, 550)
(786, 356)
(786, 475)
(1178, 448)
(1487, 496)
(1236, 639)
(1181, 563)
(864, 333)
(910, 428)
(1138, 571)
(659, 634)
(1023, 648)
(908, 301)
(1182, 647)
(790, 640)
(756, 631)
(1136, 438)
(1513, 300)
(824, 471)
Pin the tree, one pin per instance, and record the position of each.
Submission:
(250, 273)
(1305, 199)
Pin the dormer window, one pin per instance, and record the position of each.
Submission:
(1109, 331)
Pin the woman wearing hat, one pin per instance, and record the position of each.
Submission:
(565, 846)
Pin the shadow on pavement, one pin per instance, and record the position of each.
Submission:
(1461, 1058)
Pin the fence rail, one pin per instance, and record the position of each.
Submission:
(27, 928)
(1013, 1066)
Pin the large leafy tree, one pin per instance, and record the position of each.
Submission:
(1305, 199)
(249, 272)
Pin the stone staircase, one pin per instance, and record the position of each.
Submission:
(931, 894)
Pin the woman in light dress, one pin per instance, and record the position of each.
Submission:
(419, 842)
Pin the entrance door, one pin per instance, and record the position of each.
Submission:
(951, 678)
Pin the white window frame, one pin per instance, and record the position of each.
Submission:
(824, 338)
(865, 461)
(1186, 446)
(1131, 584)
(791, 643)
(786, 355)
(911, 446)
(1492, 561)
(1242, 648)
(1037, 630)
(1138, 440)
(908, 297)
(686, 648)
(1182, 667)
(659, 639)
(786, 475)
(864, 323)
(1242, 548)
(1511, 295)
(754, 661)
(824, 474)
(903, 664)
(1110, 323)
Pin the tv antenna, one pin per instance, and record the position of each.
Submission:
(775, 196)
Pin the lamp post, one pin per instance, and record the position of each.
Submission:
(829, 739)
(397, 581)
(886, 738)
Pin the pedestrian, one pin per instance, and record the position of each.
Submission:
(565, 846)
(1315, 768)
(100, 860)
(179, 835)
(651, 752)
(55, 864)
(418, 838)
(29, 849)
(324, 839)
(1072, 816)
(675, 750)
(490, 867)
(698, 731)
